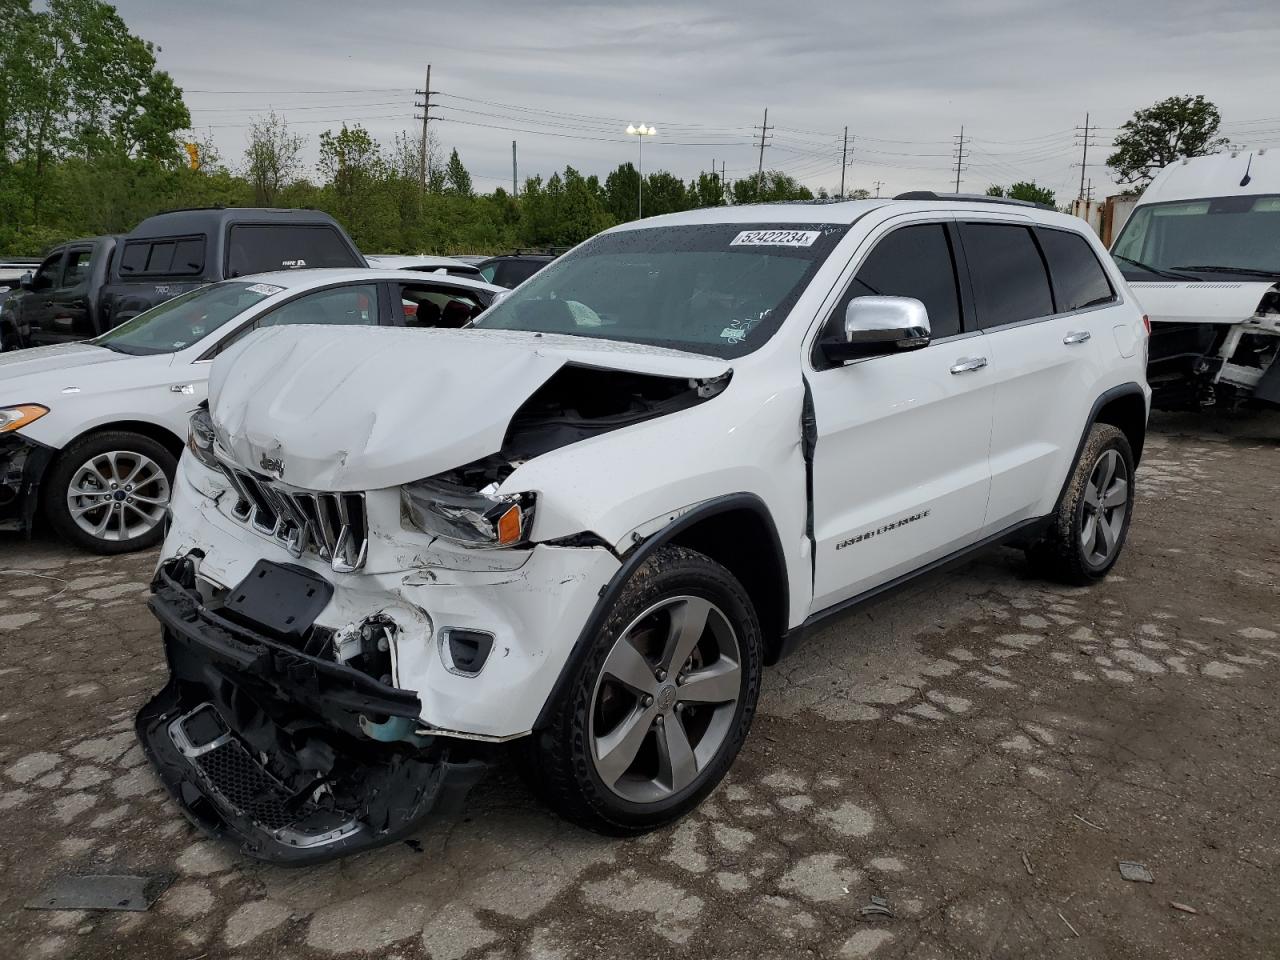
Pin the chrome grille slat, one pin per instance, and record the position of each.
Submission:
(334, 526)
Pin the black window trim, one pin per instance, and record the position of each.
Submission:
(150, 242)
(964, 301)
(56, 282)
(380, 312)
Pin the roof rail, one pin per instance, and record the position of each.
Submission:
(969, 198)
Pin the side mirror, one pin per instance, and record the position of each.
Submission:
(26, 281)
(874, 326)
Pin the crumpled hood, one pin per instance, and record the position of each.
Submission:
(1212, 301)
(37, 368)
(362, 408)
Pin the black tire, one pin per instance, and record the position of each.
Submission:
(1061, 554)
(57, 483)
(557, 759)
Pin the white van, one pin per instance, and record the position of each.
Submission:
(1201, 253)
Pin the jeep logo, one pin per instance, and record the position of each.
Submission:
(271, 465)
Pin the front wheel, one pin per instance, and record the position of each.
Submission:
(660, 705)
(109, 492)
(1089, 529)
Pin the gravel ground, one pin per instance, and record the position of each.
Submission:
(980, 751)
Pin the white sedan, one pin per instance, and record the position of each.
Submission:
(90, 432)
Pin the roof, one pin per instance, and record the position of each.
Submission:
(849, 211)
(1217, 175)
(294, 280)
(200, 220)
(385, 261)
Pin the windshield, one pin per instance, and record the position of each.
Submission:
(180, 322)
(719, 289)
(1202, 239)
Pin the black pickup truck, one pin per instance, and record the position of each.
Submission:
(86, 287)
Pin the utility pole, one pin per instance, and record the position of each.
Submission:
(764, 129)
(515, 189)
(879, 184)
(959, 157)
(844, 159)
(425, 106)
(724, 187)
(1085, 144)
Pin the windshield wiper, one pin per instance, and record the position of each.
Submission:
(1240, 271)
(1168, 274)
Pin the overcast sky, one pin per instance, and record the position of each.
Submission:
(904, 76)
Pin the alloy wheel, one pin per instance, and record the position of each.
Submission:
(118, 495)
(1106, 503)
(664, 702)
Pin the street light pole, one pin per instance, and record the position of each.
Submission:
(640, 133)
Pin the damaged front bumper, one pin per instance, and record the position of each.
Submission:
(286, 752)
(22, 465)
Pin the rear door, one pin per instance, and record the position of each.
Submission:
(69, 317)
(900, 473)
(1044, 337)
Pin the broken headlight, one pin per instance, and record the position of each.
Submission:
(441, 507)
(200, 438)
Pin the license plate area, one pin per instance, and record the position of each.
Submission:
(278, 599)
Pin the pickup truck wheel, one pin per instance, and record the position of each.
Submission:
(1089, 529)
(658, 708)
(109, 492)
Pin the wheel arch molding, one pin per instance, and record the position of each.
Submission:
(730, 530)
(1123, 406)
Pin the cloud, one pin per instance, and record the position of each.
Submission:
(1019, 75)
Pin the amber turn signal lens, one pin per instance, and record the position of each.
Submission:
(509, 525)
(15, 418)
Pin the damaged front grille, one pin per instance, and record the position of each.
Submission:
(333, 526)
(247, 789)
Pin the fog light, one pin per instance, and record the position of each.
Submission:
(465, 651)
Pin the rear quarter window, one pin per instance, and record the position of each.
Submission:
(261, 248)
(1078, 278)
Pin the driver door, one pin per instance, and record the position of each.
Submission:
(37, 302)
(901, 472)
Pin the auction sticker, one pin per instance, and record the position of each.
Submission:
(775, 238)
(266, 289)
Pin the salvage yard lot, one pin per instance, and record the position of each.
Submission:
(980, 751)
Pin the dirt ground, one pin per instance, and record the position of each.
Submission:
(980, 751)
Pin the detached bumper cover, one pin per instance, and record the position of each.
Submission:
(22, 465)
(263, 744)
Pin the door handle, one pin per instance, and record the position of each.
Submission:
(1077, 336)
(968, 364)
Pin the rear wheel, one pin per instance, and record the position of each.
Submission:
(109, 492)
(660, 705)
(1091, 524)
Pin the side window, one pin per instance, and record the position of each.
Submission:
(340, 306)
(259, 248)
(434, 306)
(1078, 278)
(163, 258)
(77, 267)
(1009, 279)
(909, 262)
(49, 272)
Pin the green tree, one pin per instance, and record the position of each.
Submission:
(621, 188)
(771, 186)
(271, 157)
(457, 180)
(1027, 190)
(1176, 127)
(664, 193)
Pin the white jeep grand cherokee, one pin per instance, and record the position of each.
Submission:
(586, 522)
